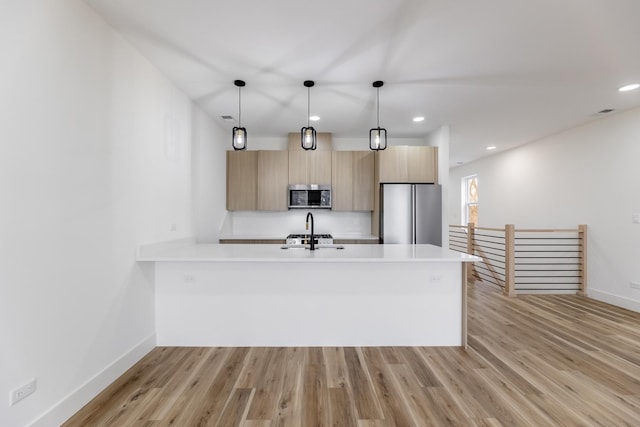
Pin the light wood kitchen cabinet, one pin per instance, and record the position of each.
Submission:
(342, 181)
(257, 180)
(352, 180)
(415, 164)
(242, 174)
(310, 167)
(272, 180)
(363, 180)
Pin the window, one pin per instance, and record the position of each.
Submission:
(470, 200)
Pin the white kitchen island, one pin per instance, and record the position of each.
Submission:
(262, 295)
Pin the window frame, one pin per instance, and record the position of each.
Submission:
(466, 203)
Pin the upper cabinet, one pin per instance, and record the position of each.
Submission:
(273, 180)
(310, 167)
(352, 180)
(413, 164)
(257, 180)
(242, 175)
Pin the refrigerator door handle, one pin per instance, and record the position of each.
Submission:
(413, 214)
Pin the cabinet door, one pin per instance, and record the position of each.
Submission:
(273, 178)
(342, 180)
(319, 167)
(363, 180)
(310, 167)
(242, 180)
(393, 164)
(411, 164)
(422, 164)
(298, 170)
(352, 180)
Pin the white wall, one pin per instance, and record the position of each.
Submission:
(274, 225)
(95, 159)
(210, 143)
(440, 138)
(586, 175)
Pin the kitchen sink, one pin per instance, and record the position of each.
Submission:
(322, 246)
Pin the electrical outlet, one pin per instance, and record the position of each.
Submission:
(21, 392)
(189, 278)
(634, 285)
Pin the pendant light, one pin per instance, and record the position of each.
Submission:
(378, 135)
(308, 138)
(239, 136)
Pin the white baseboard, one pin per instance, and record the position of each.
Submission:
(624, 302)
(75, 400)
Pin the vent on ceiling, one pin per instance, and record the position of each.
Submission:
(606, 111)
(229, 119)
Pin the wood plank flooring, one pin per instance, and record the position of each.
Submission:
(533, 360)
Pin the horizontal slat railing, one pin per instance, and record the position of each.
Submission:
(458, 238)
(548, 261)
(490, 245)
(525, 260)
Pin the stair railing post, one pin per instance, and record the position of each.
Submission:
(509, 260)
(471, 231)
(582, 234)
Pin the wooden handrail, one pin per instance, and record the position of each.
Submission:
(489, 229)
(547, 230)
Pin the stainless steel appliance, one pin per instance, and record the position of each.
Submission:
(309, 196)
(411, 213)
(304, 239)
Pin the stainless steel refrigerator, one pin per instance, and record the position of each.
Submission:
(411, 213)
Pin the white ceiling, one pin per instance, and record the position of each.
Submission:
(499, 72)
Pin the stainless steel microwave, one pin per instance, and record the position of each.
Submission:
(308, 196)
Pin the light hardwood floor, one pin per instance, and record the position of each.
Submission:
(532, 361)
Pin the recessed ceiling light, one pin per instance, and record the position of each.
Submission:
(314, 118)
(491, 147)
(627, 88)
(418, 119)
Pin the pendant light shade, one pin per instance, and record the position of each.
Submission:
(239, 135)
(308, 138)
(378, 135)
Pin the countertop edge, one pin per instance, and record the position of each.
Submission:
(183, 251)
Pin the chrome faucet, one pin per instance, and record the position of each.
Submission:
(313, 238)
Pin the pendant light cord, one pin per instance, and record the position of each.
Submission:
(378, 106)
(239, 107)
(308, 104)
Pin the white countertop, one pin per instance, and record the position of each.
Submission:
(283, 236)
(192, 252)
